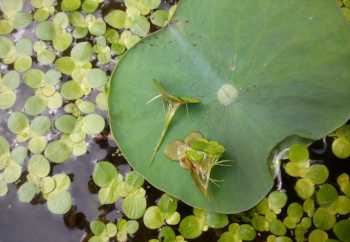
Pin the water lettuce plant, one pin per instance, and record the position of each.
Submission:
(260, 80)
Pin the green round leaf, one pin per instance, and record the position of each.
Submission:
(160, 18)
(153, 218)
(104, 173)
(58, 152)
(97, 227)
(37, 144)
(6, 46)
(12, 172)
(247, 232)
(34, 78)
(82, 52)
(134, 205)
(326, 195)
(217, 221)
(40, 125)
(65, 123)
(324, 219)
(7, 98)
(59, 203)
(71, 90)
(277, 200)
(304, 188)
(27, 192)
(341, 148)
(17, 122)
(190, 227)
(45, 30)
(35, 105)
(250, 69)
(318, 173)
(70, 5)
(96, 78)
(4, 146)
(116, 18)
(39, 166)
(342, 230)
(318, 236)
(3, 188)
(93, 124)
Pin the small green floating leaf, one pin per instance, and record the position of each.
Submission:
(3, 188)
(167, 204)
(305, 188)
(93, 124)
(39, 166)
(153, 218)
(45, 30)
(96, 78)
(190, 227)
(104, 173)
(160, 17)
(295, 210)
(97, 227)
(71, 90)
(27, 192)
(35, 105)
(342, 205)
(298, 153)
(277, 227)
(65, 64)
(317, 173)
(70, 5)
(19, 154)
(317, 235)
(216, 220)
(326, 195)
(6, 47)
(140, 26)
(59, 203)
(12, 172)
(4, 145)
(82, 52)
(17, 122)
(11, 79)
(58, 152)
(277, 200)
(65, 123)
(341, 148)
(7, 98)
(34, 78)
(109, 194)
(247, 232)
(342, 230)
(37, 144)
(116, 18)
(324, 219)
(40, 125)
(134, 205)
(111, 230)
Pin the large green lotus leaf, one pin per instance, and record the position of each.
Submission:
(289, 62)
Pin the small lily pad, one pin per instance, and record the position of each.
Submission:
(59, 203)
(250, 69)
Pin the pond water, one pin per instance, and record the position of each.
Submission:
(34, 223)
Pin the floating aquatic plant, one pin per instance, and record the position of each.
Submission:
(198, 155)
(260, 83)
